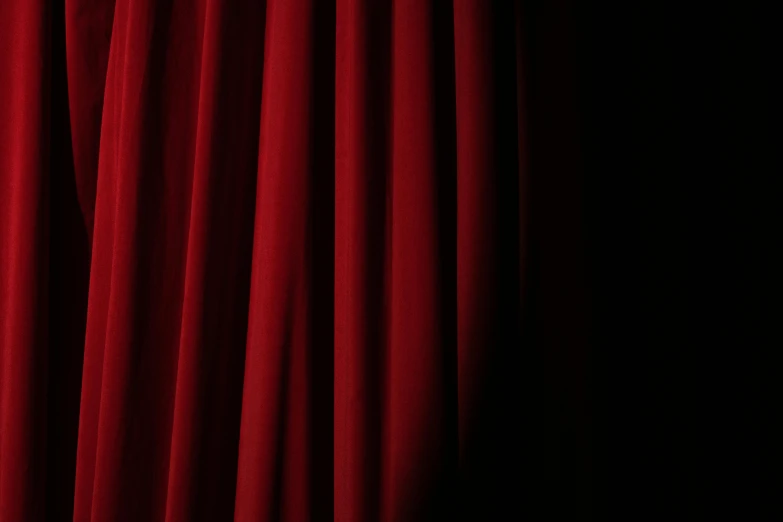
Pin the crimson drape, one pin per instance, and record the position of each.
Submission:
(287, 260)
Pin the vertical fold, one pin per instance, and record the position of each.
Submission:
(476, 238)
(420, 431)
(100, 270)
(488, 246)
(88, 30)
(361, 171)
(123, 448)
(287, 396)
(138, 258)
(205, 432)
(24, 200)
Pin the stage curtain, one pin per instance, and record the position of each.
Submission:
(290, 260)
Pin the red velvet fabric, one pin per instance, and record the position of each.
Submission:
(266, 260)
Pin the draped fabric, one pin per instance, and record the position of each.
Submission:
(289, 260)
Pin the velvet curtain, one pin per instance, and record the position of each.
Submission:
(290, 260)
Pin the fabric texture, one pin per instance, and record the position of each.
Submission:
(289, 260)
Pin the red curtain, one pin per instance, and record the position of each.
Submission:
(289, 260)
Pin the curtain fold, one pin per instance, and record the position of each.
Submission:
(289, 260)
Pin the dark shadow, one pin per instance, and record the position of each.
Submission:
(377, 123)
(69, 272)
(527, 454)
(320, 358)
